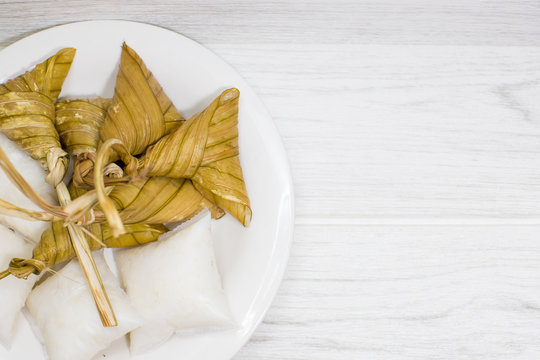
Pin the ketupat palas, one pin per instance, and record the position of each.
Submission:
(27, 105)
(143, 206)
(140, 113)
(183, 166)
(155, 200)
(78, 123)
(42, 85)
(55, 246)
(46, 78)
(205, 150)
(159, 200)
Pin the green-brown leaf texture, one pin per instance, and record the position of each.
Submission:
(140, 113)
(158, 200)
(27, 114)
(205, 150)
(78, 123)
(46, 78)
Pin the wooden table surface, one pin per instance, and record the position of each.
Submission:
(413, 132)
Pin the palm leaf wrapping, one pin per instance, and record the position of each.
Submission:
(55, 245)
(158, 200)
(78, 123)
(28, 119)
(183, 166)
(46, 78)
(205, 150)
(27, 114)
(140, 113)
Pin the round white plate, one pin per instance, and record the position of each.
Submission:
(251, 260)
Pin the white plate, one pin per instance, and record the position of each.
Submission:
(252, 260)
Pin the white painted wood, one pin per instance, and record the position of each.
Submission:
(394, 131)
(404, 131)
(477, 22)
(387, 120)
(406, 292)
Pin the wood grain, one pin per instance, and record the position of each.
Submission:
(422, 132)
(443, 22)
(406, 292)
(376, 131)
(402, 115)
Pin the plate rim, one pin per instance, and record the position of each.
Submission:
(286, 217)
